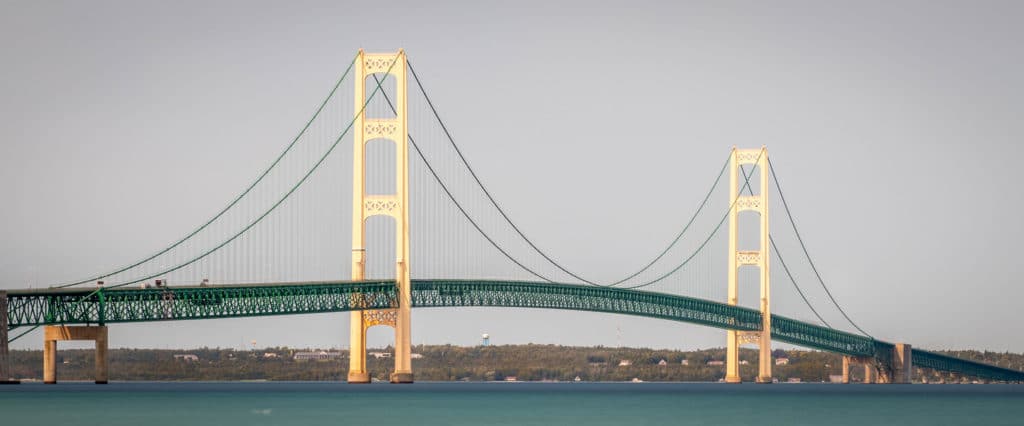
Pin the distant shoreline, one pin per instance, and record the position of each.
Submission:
(446, 363)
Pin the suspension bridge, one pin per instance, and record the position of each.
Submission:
(427, 233)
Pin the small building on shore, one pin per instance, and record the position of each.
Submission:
(316, 356)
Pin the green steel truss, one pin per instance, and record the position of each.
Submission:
(89, 306)
(940, 362)
(520, 294)
(819, 337)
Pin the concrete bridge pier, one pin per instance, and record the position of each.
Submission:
(5, 360)
(53, 334)
(870, 369)
(899, 371)
(870, 374)
(902, 364)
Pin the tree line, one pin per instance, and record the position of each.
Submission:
(529, 362)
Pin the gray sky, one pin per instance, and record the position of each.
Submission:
(895, 127)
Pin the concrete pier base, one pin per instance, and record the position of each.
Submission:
(53, 334)
(401, 377)
(902, 364)
(50, 362)
(871, 370)
(5, 360)
(870, 373)
(359, 377)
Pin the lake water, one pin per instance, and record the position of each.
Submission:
(318, 403)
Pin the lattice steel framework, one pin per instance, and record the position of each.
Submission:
(81, 306)
(525, 294)
(85, 306)
(940, 362)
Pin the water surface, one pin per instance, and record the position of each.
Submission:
(319, 403)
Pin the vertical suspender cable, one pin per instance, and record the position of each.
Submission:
(778, 254)
(233, 202)
(501, 211)
(272, 208)
(460, 207)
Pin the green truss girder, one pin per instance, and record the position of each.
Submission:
(88, 306)
(524, 294)
(937, 361)
(85, 306)
(819, 337)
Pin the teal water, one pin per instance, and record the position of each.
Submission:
(317, 403)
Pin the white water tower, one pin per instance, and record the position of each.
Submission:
(486, 339)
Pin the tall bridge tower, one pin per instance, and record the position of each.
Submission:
(395, 205)
(759, 258)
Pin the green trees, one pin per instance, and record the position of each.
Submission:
(450, 363)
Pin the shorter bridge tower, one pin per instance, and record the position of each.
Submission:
(395, 205)
(739, 258)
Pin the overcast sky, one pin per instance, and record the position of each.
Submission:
(896, 127)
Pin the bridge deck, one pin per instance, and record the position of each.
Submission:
(102, 306)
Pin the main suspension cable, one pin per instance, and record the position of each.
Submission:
(806, 253)
(679, 236)
(732, 205)
(278, 203)
(516, 228)
(456, 202)
(792, 281)
(238, 198)
(782, 261)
